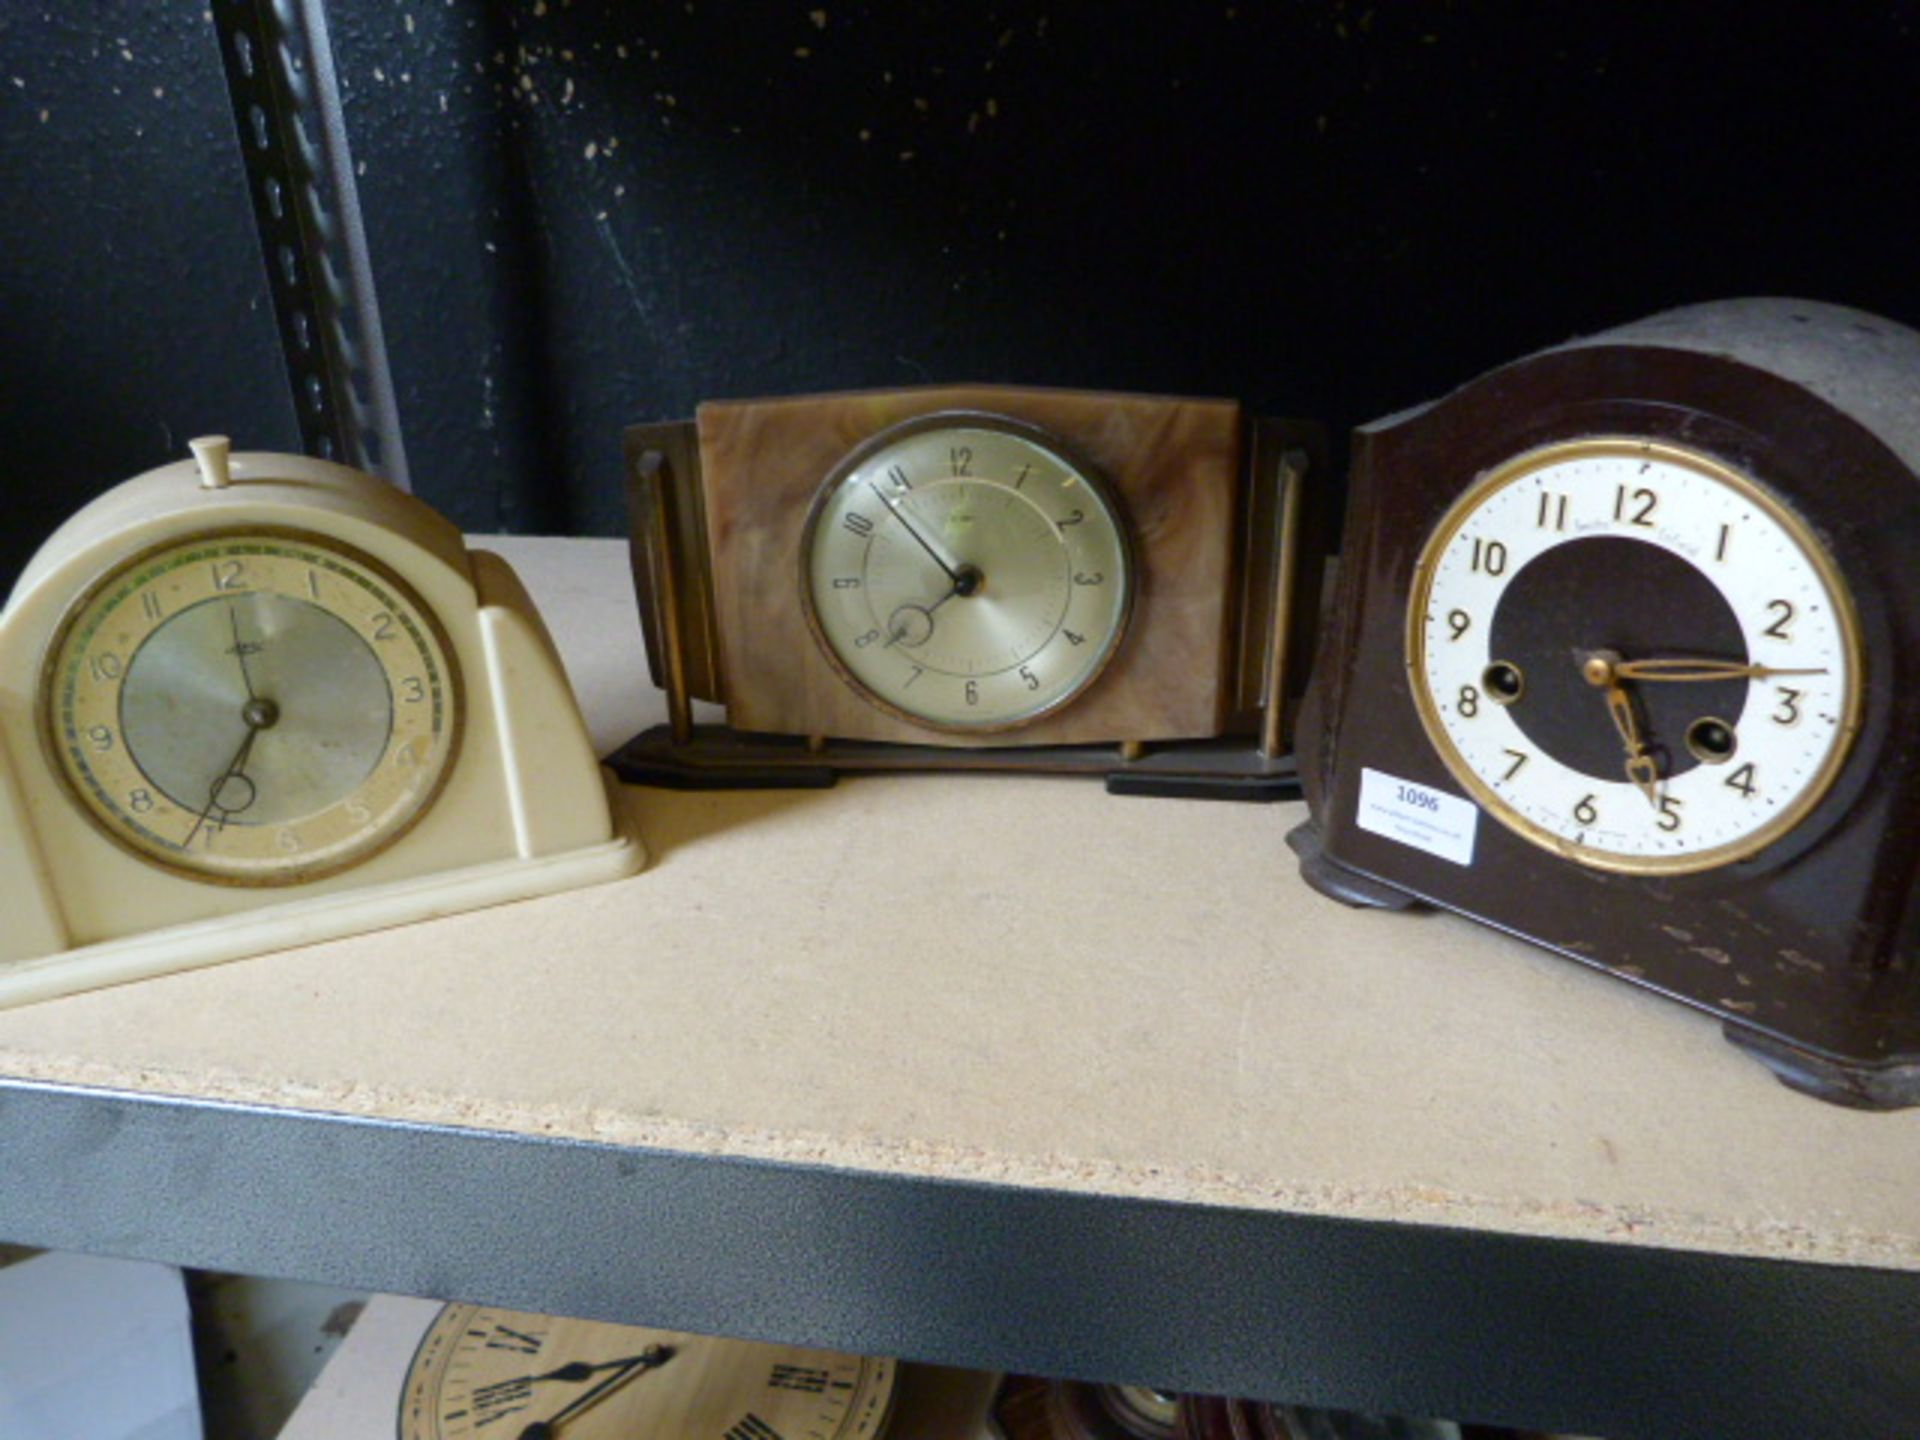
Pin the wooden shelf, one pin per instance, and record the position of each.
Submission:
(948, 1003)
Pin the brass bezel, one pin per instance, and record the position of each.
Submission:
(1096, 483)
(1526, 463)
(49, 666)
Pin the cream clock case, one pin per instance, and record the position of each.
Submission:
(250, 701)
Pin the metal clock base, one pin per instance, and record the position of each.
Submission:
(716, 758)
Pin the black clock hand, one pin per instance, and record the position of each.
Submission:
(259, 715)
(239, 647)
(574, 1370)
(652, 1358)
(898, 514)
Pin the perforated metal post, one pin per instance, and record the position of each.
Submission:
(278, 61)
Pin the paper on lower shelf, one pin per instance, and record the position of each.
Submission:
(96, 1348)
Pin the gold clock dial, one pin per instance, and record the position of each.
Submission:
(252, 708)
(1634, 655)
(963, 572)
(489, 1374)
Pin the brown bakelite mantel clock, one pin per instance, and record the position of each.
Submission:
(1625, 660)
(976, 578)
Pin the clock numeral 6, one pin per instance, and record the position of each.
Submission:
(1585, 812)
(973, 692)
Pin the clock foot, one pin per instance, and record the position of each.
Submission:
(1281, 783)
(1859, 1087)
(782, 763)
(1336, 881)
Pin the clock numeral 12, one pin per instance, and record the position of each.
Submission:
(1645, 499)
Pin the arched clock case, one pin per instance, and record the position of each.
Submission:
(1643, 494)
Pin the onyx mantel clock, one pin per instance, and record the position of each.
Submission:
(1625, 660)
(977, 577)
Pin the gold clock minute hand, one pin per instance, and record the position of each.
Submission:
(1676, 668)
(652, 1358)
(1602, 669)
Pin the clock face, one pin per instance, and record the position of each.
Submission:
(1634, 655)
(258, 708)
(509, 1375)
(964, 573)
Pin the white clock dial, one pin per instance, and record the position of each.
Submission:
(962, 572)
(1634, 655)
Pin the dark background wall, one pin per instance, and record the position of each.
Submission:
(582, 214)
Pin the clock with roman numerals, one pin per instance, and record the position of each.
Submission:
(1624, 661)
(483, 1373)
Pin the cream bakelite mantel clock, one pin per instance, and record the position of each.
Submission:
(977, 578)
(258, 700)
(1625, 659)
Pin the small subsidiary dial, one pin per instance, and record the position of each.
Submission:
(964, 573)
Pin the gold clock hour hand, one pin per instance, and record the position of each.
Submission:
(652, 1358)
(1677, 668)
(1602, 669)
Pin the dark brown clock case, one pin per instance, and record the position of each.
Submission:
(1809, 950)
